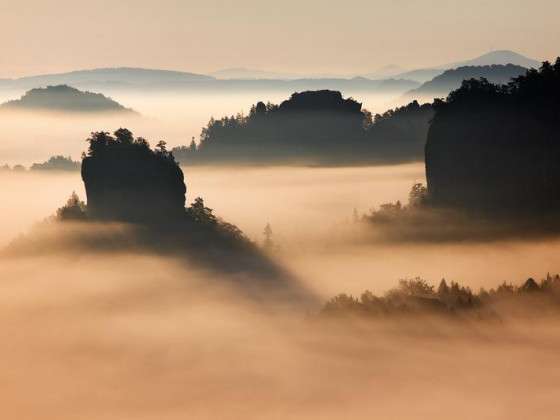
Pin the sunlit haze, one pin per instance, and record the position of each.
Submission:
(279, 210)
(308, 37)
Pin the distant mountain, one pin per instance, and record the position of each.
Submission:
(451, 79)
(421, 75)
(502, 57)
(64, 98)
(385, 72)
(498, 57)
(108, 77)
(241, 73)
(116, 80)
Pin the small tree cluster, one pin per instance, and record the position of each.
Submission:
(418, 296)
(73, 210)
(123, 140)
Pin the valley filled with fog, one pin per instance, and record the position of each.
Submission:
(127, 334)
(274, 289)
(311, 212)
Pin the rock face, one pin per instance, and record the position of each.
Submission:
(497, 149)
(127, 181)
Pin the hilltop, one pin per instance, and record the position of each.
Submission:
(312, 127)
(64, 98)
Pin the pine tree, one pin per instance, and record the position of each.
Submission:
(268, 243)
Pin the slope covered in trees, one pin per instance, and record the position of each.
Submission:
(313, 127)
(63, 98)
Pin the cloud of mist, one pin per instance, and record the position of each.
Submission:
(310, 212)
(147, 336)
(144, 337)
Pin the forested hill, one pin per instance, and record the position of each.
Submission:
(315, 127)
(64, 98)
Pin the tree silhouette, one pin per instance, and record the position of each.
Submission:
(318, 126)
(443, 288)
(73, 210)
(268, 243)
(413, 297)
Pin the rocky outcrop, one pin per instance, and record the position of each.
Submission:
(126, 180)
(497, 149)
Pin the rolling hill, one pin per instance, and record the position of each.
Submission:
(63, 98)
(115, 77)
(116, 80)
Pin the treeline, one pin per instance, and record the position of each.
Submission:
(54, 163)
(313, 127)
(416, 296)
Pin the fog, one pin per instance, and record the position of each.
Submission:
(310, 211)
(128, 337)
(118, 335)
(297, 201)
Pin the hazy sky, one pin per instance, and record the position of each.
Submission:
(311, 36)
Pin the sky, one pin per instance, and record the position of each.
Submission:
(298, 36)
